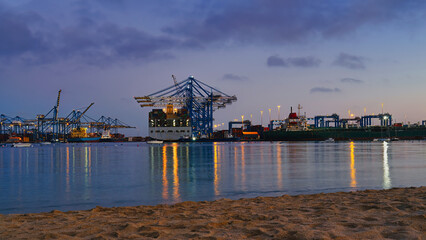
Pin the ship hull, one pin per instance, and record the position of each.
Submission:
(111, 140)
(86, 139)
(169, 133)
(340, 134)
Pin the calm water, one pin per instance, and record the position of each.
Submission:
(82, 176)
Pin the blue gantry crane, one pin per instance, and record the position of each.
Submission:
(321, 121)
(198, 98)
(51, 127)
(385, 120)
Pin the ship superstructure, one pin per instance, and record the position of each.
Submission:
(172, 124)
(295, 122)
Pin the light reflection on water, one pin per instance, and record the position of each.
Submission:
(353, 169)
(386, 177)
(82, 176)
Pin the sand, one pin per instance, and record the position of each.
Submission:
(372, 214)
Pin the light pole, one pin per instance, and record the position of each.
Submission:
(242, 122)
(278, 112)
(261, 118)
(269, 115)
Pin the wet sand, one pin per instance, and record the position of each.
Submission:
(393, 214)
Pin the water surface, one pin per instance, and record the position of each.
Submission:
(82, 176)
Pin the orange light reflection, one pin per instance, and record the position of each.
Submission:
(165, 181)
(353, 169)
(279, 174)
(176, 194)
(216, 178)
(243, 167)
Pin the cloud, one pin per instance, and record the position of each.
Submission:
(233, 77)
(351, 80)
(17, 37)
(25, 38)
(278, 22)
(324, 90)
(89, 37)
(304, 62)
(276, 61)
(350, 61)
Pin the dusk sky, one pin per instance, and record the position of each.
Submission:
(329, 56)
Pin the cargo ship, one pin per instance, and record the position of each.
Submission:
(366, 133)
(169, 124)
(107, 136)
(80, 135)
(297, 129)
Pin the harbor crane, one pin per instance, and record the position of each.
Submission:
(52, 127)
(74, 118)
(81, 115)
(44, 122)
(198, 98)
(176, 83)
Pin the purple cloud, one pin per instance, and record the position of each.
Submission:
(17, 36)
(260, 21)
(324, 90)
(233, 77)
(24, 37)
(276, 61)
(350, 61)
(351, 80)
(304, 62)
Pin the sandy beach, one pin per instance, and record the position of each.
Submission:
(373, 214)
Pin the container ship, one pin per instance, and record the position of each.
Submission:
(169, 124)
(368, 133)
(80, 135)
(295, 128)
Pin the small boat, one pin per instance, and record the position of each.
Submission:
(154, 142)
(19, 145)
(45, 143)
(381, 140)
(329, 140)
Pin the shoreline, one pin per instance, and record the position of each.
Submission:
(398, 213)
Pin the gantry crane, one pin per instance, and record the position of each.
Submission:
(46, 123)
(197, 97)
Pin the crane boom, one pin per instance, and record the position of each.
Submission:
(57, 103)
(176, 83)
(81, 115)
